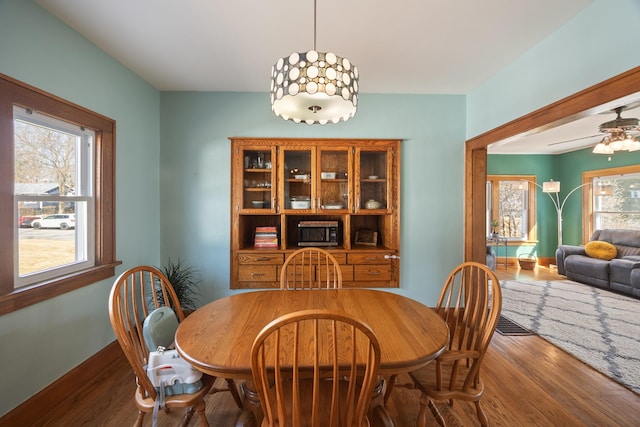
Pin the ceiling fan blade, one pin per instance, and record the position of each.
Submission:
(575, 139)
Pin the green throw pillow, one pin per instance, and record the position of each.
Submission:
(601, 250)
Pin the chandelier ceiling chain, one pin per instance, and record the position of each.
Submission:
(314, 87)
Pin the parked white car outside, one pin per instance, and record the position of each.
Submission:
(61, 221)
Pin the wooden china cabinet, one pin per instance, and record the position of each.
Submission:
(279, 184)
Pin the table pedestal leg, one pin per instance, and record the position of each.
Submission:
(251, 401)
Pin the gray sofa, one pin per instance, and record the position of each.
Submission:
(621, 274)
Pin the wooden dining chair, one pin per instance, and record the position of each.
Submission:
(310, 268)
(315, 368)
(136, 293)
(470, 304)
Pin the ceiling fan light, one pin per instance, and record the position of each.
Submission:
(634, 145)
(602, 148)
(616, 144)
(627, 142)
(617, 138)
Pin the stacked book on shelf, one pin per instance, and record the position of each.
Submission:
(266, 237)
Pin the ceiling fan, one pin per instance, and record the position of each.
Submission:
(617, 130)
(620, 124)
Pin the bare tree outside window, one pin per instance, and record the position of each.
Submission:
(44, 155)
(509, 206)
(513, 209)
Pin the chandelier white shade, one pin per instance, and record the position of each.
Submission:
(314, 87)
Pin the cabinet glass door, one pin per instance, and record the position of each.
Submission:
(258, 179)
(297, 181)
(332, 175)
(373, 182)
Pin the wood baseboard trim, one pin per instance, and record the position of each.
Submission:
(546, 261)
(46, 399)
(512, 261)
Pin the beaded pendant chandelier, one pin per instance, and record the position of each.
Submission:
(314, 87)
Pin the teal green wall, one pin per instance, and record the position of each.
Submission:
(43, 341)
(543, 166)
(195, 161)
(172, 185)
(566, 168)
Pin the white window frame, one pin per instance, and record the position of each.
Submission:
(85, 203)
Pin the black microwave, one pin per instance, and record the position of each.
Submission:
(319, 233)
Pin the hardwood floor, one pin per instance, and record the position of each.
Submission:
(529, 382)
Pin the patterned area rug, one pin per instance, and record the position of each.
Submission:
(598, 327)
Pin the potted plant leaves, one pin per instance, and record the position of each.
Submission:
(495, 226)
(185, 282)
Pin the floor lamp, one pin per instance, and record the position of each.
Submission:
(552, 188)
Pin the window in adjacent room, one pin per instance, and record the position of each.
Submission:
(614, 199)
(511, 206)
(56, 192)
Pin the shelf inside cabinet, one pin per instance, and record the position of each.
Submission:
(248, 225)
(264, 170)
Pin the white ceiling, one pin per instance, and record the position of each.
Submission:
(400, 46)
(570, 136)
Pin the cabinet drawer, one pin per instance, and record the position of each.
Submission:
(257, 273)
(372, 272)
(257, 259)
(369, 258)
(341, 257)
(297, 274)
(347, 273)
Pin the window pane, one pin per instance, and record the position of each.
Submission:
(45, 160)
(616, 201)
(52, 197)
(512, 218)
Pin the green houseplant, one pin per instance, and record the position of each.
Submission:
(495, 226)
(185, 282)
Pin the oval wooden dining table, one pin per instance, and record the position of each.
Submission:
(217, 338)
